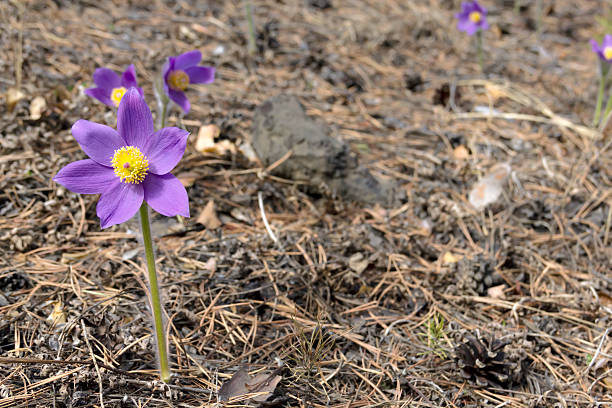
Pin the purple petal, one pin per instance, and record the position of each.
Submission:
(100, 94)
(106, 79)
(98, 141)
(168, 66)
(166, 195)
(607, 41)
(165, 148)
(484, 25)
(467, 7)
(119, 203)
(187, 59)
(595, 46)
(471, 29)
(180, 99)
(85, 177)
(128, 78)
(467, 26)
(200, 75)
(478, 7)
(134, 119)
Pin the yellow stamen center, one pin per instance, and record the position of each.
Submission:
(178, 80)
(475, 17)
(117, 94)
(130, 164)
(607, 53)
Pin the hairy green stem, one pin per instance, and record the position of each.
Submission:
(604, 122)
(162, 350)
(480, 52)
(145, 226)
(600, 94)
(164, 112)
(162, 100)
(251, 45)
(607, 113)
(608, 107)
(604, 70)
(539, 17)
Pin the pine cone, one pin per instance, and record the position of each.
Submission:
(477, 274)
(482, 361)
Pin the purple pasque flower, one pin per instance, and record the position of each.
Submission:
(181, 71)
(473, 17)
(128, 165)
(605, 50)
(110, 88)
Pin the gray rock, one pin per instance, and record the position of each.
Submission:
(280, 124)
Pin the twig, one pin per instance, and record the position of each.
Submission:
(598, 379)
(554, 120)
(598, 351)
(527, 100)
(25, 360)
(265, 220)
(93, 359)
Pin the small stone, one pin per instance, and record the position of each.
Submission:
(281, 126)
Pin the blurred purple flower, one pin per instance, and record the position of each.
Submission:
(473, 17)
(605, 50)
(183, 70)
(128, 165)
(110, 87)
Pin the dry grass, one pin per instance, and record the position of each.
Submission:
(346, 336)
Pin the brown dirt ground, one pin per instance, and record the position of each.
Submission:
(402, 86)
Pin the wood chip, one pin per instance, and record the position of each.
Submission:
(241, 384)
(208, 216)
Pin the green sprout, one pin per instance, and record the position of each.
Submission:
(308, 351)
(433, 334)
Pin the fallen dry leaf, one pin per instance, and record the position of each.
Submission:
(263, 383)
(605, 299)
(242, 385)
(206, 137)
(13, 95)
(235, 386)
(247, 151)
(205, 142)
(187, 179)
(489, 188)
(496, 292)
(208, 216)
(241, 215)
(211, 265)
(495, 91)
(37, 107)
(58, 315)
